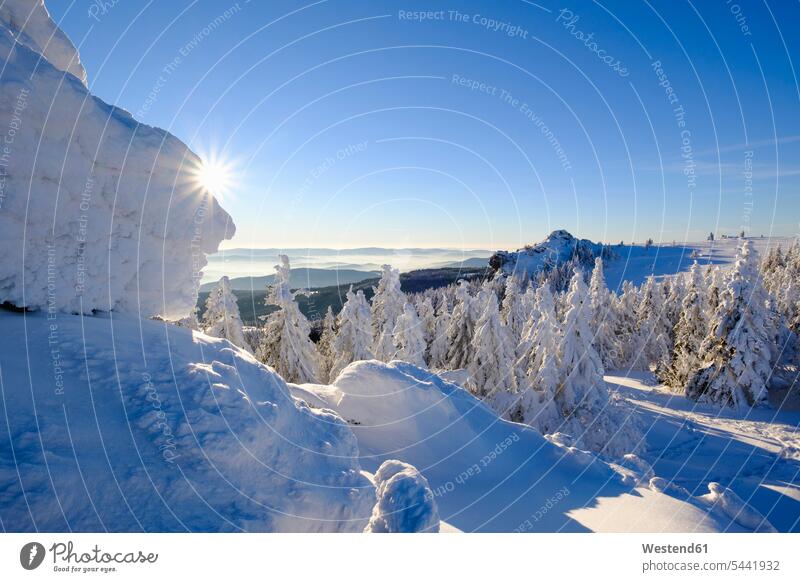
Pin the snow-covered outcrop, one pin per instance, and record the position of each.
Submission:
(560, 246)
(97, 212)
(122, 424)
(29, 22)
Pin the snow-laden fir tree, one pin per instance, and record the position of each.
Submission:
(736, 353)
(628, 339)
(387, 306)
(513, 308)
(409, 337)
(536, 375)
(652, 334)
(603, 322)
(222, 318)
(690, 331)
(673, 304)
(354, 333)
(437, 353)
(590, 415)
(325, 346)
(285, 342)
(460, 329)
(490, 369)
(583, 386)
(541, 333)
(427, 317)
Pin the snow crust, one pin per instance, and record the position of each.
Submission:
(97, 212)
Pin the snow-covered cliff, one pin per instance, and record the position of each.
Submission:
(97, 212)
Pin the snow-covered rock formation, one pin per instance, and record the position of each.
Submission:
(29, 23)
(97, 212)
(559, 247)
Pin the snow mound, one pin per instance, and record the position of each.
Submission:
(488, 474)
(29, 23)
(405, 501)
(559, 247)
(737, 509)
(97, 212)
(121, 424)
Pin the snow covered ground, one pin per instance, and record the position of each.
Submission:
(488, 474)
(118, 424)
(635, 263)
(756, 454)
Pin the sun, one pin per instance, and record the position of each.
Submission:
(216, 176)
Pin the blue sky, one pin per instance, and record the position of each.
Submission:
(483, 125)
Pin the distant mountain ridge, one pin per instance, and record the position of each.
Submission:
(301, 277)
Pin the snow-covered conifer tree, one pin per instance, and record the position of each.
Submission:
(460, 329)
(628, 344)
(590, 415)
(736, 353)
(536, 375)
(490, 369)
(409, 338)
(437, 353)
(513, 308)
(583, 386)
(427, 316)
(387, 306)
(222, 318)
(325, 346)
(652, 334)
(354, 333)
(603, 316)
(285, 342)
(690, 332)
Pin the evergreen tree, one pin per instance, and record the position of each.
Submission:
(409, 337)
(459, 329)
(427, 316)
(536, 374)
(582, 387)
(736, 353)
(690, 331)
(513, 308)
(325, 346)
(222, 318)
(437, 358)
(490, 368)
(354, 334)
(603, 316)
(628, 339)
(285, 343)
(387, 306)
(652, 334)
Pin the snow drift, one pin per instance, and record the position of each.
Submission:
(121, 424)
(488, 474)
(97, 212)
